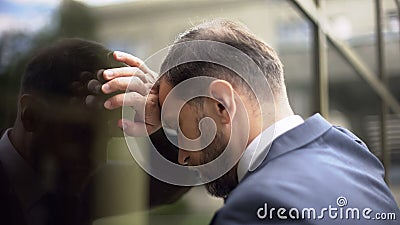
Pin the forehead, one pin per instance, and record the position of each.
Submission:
(164, 89)
(174, 108)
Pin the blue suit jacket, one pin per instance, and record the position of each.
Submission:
(313, 174)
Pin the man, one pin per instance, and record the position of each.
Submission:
(290, 170)
(58, 143)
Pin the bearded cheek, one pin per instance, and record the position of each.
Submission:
(212, 151)
(223, 186)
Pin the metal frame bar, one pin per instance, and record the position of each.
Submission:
(397, 2)
(310, 12)
(380, 50)
(321, 87)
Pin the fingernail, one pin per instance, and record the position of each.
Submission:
(108, 73)
(106, 87)
(118, 54)
(89, 100)
(107, 104)
(100, 76)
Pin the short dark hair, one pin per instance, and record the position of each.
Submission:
(230, 33)
(52, 70)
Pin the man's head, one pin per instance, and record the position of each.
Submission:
(234, 101)
(54, 129)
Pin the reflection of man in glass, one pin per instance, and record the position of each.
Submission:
(57, 141)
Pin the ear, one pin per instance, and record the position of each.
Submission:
(225, 105)
(29, 113)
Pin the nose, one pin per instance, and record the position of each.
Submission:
(183, 157)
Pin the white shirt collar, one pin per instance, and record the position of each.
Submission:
(23, 178)
(258, 149)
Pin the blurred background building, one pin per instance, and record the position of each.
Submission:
(146, 27)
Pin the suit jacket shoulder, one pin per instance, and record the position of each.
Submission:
(310, 168)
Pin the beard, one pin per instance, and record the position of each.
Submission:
(222, 186)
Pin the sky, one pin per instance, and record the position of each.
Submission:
(32, 15)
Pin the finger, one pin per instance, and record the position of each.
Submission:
(154, 88)
(151, 76)
(94, 101)
(129, 72)
(132, 99)
(127, 58)
(123, 72)
(151, 101)
(100, 77)
(152, 111)
(94, 86)
(131, 60)
(136, 129)
(125, 84)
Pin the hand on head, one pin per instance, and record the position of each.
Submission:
(139, 91)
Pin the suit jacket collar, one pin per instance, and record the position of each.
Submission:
(311, 129)
(257, 150)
